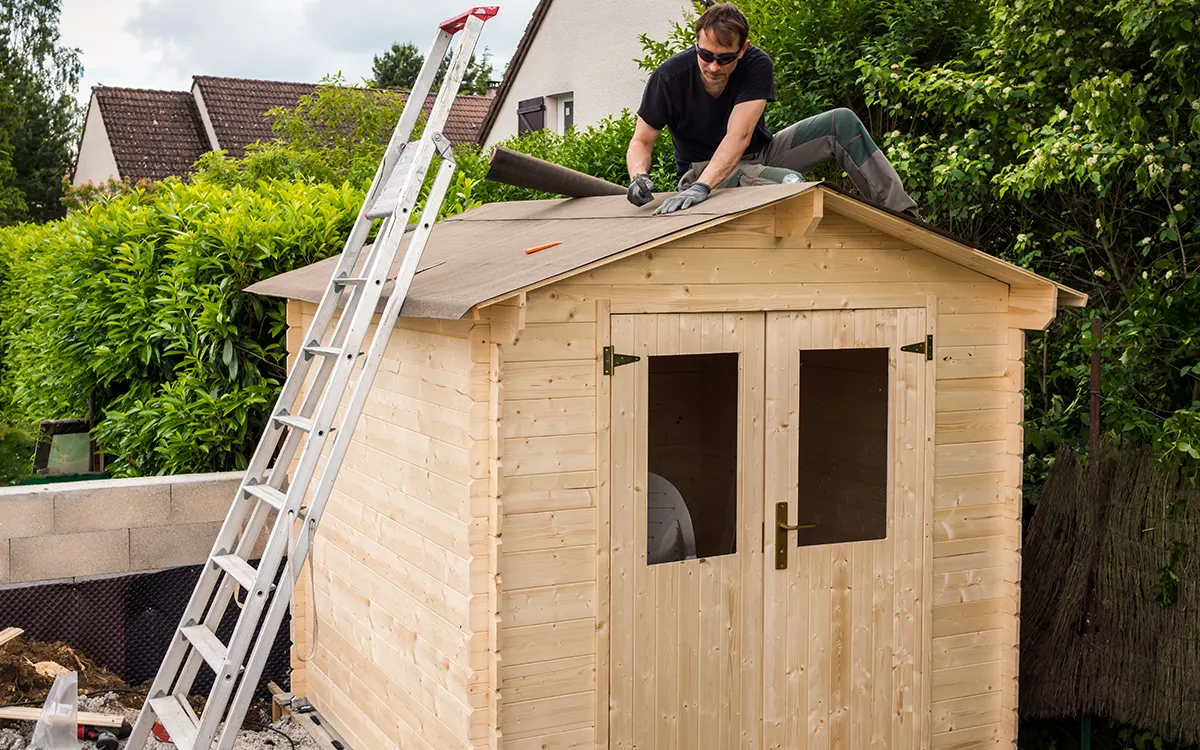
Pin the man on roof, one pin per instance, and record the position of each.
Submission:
(712, 97)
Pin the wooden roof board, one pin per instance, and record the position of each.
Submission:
(478, 258)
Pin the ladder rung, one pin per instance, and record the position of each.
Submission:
(345, 280)
(300, 423)
(208, 644)
(327, 351)
(242, 571)
(176, 719)
(267, 494)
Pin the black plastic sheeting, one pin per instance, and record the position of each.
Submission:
(125, 623)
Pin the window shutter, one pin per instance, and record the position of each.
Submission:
(531, 115)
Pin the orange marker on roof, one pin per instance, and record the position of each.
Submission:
(541, 247)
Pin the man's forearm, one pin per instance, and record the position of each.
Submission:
(637, 158)
(727, 156)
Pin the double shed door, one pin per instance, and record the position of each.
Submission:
(727, 425)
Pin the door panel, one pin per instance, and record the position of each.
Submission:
(686, 637)
(845, 647)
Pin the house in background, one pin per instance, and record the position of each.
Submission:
(140, 134)
(575, 65)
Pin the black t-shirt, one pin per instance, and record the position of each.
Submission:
(675, 97)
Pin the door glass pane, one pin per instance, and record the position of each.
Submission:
(693, 455)
(843, 445)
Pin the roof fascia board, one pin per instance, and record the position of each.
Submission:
(964, 255)
(204, 118)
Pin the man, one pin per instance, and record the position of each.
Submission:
(713, 96)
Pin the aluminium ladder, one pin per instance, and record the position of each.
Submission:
(267, 486)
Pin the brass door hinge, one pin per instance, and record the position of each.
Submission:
(921, 347)
(612, 360)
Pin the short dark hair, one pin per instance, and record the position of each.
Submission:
(726, 23)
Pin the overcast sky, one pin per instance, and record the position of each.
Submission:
(161, 44)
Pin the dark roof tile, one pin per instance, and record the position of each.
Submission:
(153, 134)
(237, 108)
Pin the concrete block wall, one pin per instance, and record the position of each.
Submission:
(76, 530)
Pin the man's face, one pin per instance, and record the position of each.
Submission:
(713, 72)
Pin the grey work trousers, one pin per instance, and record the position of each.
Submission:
(836, 134)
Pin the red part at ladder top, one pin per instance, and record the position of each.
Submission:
(456, 24)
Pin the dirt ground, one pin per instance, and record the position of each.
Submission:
(26, 674)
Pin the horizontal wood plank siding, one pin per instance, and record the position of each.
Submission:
(400, 652)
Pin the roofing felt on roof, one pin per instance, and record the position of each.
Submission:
(153, 134)
(479, 257)
(482, 251)
(237, 108)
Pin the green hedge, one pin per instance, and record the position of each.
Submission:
(135, 303)
(132, 305)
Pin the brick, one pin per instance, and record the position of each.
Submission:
(69, 555)
(26, 515)
(203, 498)
(109, 506)
(171, 546)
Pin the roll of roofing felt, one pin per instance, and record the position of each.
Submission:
(524, 171)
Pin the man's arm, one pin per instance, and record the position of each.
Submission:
(742, 121)
(641, 148)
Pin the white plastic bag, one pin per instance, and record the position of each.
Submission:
(58, 726)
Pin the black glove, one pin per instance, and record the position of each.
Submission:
(641, 190)
(690, 197)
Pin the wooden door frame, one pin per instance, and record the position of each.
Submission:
(604, 311)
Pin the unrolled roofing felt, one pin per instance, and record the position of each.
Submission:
(482, 251)
(480, 256)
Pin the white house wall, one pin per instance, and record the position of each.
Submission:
(587, 49)
(96, 162)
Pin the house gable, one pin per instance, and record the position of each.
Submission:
(150, 134)
(94, 161)
(581, 53)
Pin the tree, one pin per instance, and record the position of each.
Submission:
(1064, 137)
(38, 113)
(399, 66)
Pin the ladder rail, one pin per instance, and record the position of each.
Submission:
(202, 596)
(341, 444)
(266, 602)
(379, 262)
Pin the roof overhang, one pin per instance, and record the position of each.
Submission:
(477, 259)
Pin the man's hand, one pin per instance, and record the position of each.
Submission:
(688, 198)
(641, 190)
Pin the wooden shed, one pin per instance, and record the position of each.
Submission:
(744, 476)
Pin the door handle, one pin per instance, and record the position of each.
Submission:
(782, 527)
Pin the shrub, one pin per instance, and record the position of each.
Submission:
(135, 302)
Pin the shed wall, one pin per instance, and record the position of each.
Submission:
(552, 609)
(548, 562)
(400, 559)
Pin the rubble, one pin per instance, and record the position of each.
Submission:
(28, 668)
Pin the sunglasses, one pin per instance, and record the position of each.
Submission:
(722, 59)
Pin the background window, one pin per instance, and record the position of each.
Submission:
(531, 115)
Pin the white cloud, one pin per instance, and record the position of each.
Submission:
(163, 43)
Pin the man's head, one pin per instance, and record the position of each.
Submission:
(722, 34)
